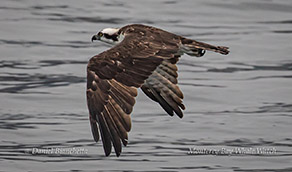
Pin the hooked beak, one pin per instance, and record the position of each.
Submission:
(95, 37)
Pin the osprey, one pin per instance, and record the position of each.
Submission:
(143, 57)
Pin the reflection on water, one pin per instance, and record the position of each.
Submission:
(242, 100)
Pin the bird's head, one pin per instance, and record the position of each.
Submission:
(108, 35)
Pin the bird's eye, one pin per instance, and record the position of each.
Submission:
(100, 34)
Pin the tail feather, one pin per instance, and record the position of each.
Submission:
(199, 47)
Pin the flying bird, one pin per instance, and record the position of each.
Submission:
(142, 57)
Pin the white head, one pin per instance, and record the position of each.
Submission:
(108, 35)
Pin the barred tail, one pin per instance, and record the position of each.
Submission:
(195, 48)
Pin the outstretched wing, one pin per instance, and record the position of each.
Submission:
(109, 103)
(161, 86)
(112, 81)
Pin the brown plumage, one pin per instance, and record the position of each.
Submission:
(146, 58)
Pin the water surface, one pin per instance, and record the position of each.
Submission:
(242, 100)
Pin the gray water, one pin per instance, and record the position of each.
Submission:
(240, 101)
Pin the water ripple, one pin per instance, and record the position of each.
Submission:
(32, 81)
(280, 67)
(88, 19)
(71, 44)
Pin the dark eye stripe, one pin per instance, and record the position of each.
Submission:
(107, 36)
(113, 37)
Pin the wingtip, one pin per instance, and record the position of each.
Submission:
(118, 154)
(125, 142)
(180, 115)
(224, 50)
(107, 153)
(94, 130)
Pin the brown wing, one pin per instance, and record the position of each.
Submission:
(161, 86)
(112, 81)
(109, 103)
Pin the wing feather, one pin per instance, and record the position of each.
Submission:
(94, 130)
(167, 74)
(105, 134)
(112, 128)
(167, 84)
(161, 86)
(124, 118)
(172, 103)
(163, 103)
(123, 100)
